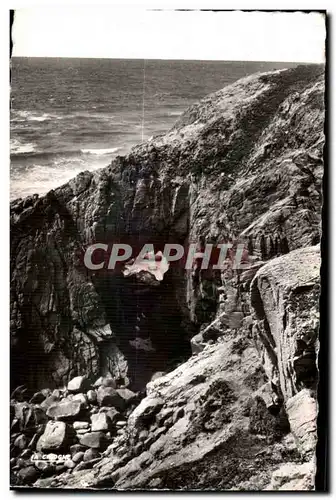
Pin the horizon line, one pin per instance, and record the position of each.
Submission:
(165, 59)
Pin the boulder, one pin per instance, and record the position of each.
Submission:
(107, 381)
(80, 432)
(34, 417)
(91, 454)
(121, 424)
(107, 396)
(69, 464)
(65, 410)
(144, 412)
(49, 401)
(91, 396)
(100, 422)
(76, 448)
(79, 384)
(127, 395)
(270, 397)
(112, 414)
(44, 467)
(197, 343)
(56, 437)
(82, 398)
(80, 425)
(157, 375)
(28, 475)
(78, 457)
(95, 440)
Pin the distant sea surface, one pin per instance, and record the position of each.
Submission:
(69, 115)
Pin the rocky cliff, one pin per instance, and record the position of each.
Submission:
(235, 405)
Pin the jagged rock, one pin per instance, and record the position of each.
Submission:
(270, 397)
(93, 440)
(56, 437)
(65, 410)
(35, 416)
(38, 398)
(285, 293)
(164, 415)
(78, 384)
(20, 393)
(237, 133)
(246, 160)
(302, 416)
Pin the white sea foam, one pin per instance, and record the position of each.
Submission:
(16, 147)
(103, 151)
(41, 118)
(42, 178)
(24, 115)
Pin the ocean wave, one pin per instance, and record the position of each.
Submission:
(103, 151)
(19, 150)
(175, 113)
(41, 178)
(31, 116)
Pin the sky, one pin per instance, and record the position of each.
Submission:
(113, 32)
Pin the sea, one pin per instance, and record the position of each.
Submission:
(70, 115)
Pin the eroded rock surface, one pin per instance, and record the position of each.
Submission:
(247, 163)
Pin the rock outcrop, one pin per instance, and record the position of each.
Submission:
(245, 163)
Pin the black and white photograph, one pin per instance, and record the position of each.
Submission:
(166, 241)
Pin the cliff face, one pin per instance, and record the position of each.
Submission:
(247, 162)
